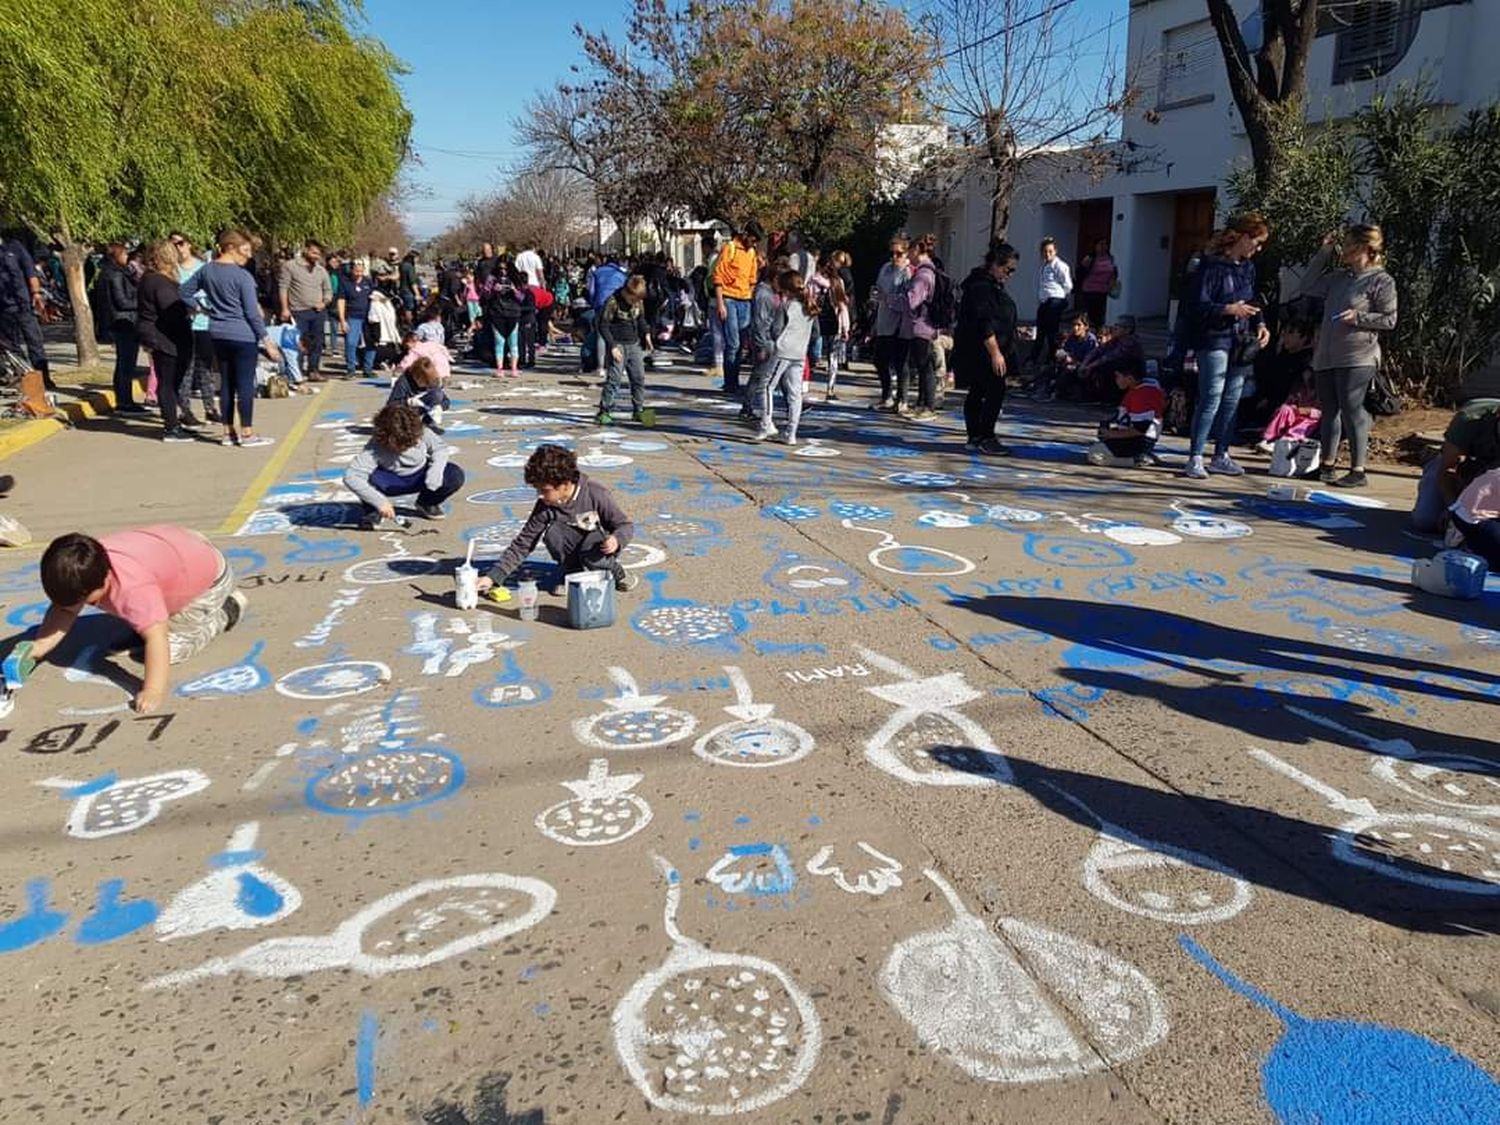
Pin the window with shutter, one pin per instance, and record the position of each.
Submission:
(1190, 65)
(1375, 37)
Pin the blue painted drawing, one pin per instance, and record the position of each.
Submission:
(112, 919)
(245, 561)
(1086, 554)
(804, 576)
(682, 621)
(313, 552)
(512, 687)
(847, 510)
(683, 535)
(386, 781)
(754, 869)
(522, 495)
(1338, 1072)
(921, 480)
(788, 509)
(37, 924)
(364, 1057)
(237, 679)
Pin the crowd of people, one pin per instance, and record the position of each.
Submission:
(764, 315)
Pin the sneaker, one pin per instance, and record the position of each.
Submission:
(901, 409)
(1224, 464)
(972, 446)
(230, 438)
(234, 607)
(713, 373)
(625, 581)
(255, 441)
(766, 432)
(790, 439)
(189, 419)
(131, 408)
(432, 511)
(176, 436)
(1354, 478)
(1327, 474)
(1143, 460)
(1265, 447)
(993, 447)
(1195, 469)
(604, 419)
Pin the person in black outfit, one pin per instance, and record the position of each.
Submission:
(117, 304)
(166, 328)
(984, 346)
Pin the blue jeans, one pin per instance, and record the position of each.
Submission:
(127, 351)
(736, 321)
(310, 327)
(236, 381)
(394, 484)
(355, 353)
(1219, 387)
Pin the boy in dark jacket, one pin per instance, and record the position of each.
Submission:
(580, 523)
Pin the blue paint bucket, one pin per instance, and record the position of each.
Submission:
(591, 600)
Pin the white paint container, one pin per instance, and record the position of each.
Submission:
(466, 582)
(527, 594)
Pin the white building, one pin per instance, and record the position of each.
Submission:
(1184, 136)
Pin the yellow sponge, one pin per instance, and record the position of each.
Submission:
(498, 594)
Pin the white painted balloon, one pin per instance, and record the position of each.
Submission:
(391, 568)
(1133, 535)
(602, 811)
(124, 805)
(1210, 527)
(1452, 781)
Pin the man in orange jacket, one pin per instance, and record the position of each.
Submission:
(735, 274)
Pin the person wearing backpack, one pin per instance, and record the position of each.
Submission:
(929, 299)
(503, 309)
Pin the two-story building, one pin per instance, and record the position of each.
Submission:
(1157, 202)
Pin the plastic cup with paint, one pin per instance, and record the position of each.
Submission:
(1284, 492)
(527, 593)
(466, 581)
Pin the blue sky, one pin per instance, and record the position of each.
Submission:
(474, 63)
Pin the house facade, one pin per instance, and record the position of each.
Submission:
(1161, 188)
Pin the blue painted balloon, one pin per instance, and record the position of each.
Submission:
(1338, 1072)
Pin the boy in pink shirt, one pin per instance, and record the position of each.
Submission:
(169, 584)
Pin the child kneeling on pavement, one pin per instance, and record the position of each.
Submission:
(402, 457)
(580, 523)
(1132, 433)
(169, 584)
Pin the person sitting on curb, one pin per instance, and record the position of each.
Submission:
(1471, 445)
(169, 584)
(578, 520)
(402, 457)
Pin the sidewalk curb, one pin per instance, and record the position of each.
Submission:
(92, 402)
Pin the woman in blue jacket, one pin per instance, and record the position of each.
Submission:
(1228, 331)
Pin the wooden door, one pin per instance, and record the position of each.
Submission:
(1095, 221)
(1192, 228)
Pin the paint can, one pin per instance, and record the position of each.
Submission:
(591, 599)
(1285, 492)
(1451, 574)
(527, 593)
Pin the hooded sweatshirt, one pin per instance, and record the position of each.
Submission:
(429, 454)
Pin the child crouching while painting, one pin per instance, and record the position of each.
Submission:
(1133, 431)
(580, 523)
(402, 457)
(169, 584)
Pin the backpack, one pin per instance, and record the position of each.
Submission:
(503, 302)
(942, 304)
(1381, 397)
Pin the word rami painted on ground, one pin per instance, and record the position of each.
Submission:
(410, 929)
(983, 1004)
(714, 1033)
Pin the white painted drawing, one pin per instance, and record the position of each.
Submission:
(1156, 880)
(712, 1033)
(916, 562)
(1202, 525)
(872, 873)
(638, 556)
(1117, 531)
(1007, 1010)
(318, 635)
(81, 671)
(603, 809)
(632, 721)
(108, 806)
(334, 680)
(480, 644)
(401, 567)
(928, 741)
(414, 928)
(239, 894)
(755, 739)
(754, 869)
(597, 458)
(1444, 853)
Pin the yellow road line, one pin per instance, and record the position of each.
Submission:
(272, 469)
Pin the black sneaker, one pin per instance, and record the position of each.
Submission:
(993, 448)
(432, 511)
(177, 436)
(131, 408)
(189, 419)
(624, 580)
(1354, 478)
(1328, 475)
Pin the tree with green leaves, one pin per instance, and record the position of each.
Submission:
(138, 116)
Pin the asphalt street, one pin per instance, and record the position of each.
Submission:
(907, 787)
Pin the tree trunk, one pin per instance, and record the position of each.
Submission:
(1000, 150)
(83, 314)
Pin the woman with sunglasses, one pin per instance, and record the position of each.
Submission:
(984, 346)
